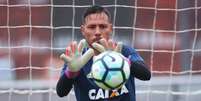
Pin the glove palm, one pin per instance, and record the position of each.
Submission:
(74, 57)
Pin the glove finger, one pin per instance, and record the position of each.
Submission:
(98, 47)
(104, 43)
(82, 44)
(87, 56)
(119, 47)
(68, 51)
(111, 45)
(74, 48)
(65, 58)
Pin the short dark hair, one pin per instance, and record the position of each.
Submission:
(96, 9)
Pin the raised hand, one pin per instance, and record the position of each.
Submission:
(74, 57)
(107, 45)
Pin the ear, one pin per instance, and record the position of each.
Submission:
(111, 28)
(82, 29)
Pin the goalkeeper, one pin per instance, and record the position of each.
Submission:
(96, 28)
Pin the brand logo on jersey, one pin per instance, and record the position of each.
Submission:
(95, 94)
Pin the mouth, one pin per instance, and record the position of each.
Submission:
(97, 40)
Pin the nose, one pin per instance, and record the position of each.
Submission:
(97, 32)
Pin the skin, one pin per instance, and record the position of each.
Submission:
(95, 27)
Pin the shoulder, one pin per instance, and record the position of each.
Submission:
(131, 53)
(128, 50)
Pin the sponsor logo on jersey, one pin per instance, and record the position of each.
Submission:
(95, 94)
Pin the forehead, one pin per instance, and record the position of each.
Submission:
(97, 17)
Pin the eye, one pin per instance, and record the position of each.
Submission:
(91, 27)
(103, 26)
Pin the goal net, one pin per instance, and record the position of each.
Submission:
(166, 33)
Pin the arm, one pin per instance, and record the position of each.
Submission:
(64, 85)
(140, 70)
(138, 67)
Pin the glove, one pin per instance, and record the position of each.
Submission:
(107, 45)
(74, 57)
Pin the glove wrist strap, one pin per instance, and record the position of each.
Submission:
(70, 74)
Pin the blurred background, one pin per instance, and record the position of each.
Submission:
(166, 33)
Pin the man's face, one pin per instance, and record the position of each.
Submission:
(95, 27)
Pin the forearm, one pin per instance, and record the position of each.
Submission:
(140, 70)
(64, 85)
